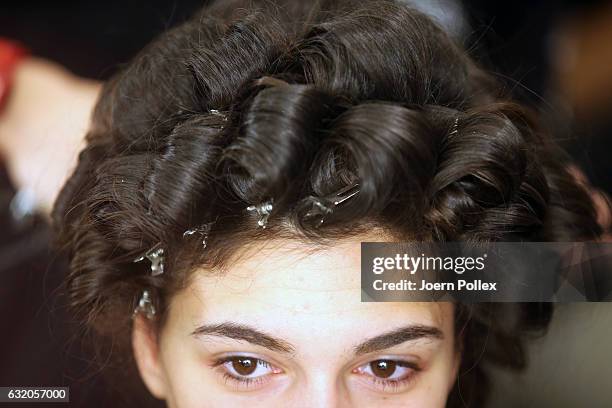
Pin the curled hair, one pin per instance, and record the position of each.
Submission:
(249, 102)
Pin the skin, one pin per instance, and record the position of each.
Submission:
(317, 336)
(42, 127)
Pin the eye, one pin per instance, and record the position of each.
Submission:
(245, 372)
(388, 375)
(248, 367)
(386, 369)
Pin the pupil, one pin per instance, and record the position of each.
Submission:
(244, 366)
(383, 368)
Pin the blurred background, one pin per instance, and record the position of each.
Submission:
(555, 56)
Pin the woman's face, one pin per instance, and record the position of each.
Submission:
(284, 326)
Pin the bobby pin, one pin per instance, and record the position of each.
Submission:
(156, 256)
(145, 305)
(263, 210)
(203, 231)
(324, 206)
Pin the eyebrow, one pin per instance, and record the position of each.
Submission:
(254, 336)
(397, 337)
(245, 333)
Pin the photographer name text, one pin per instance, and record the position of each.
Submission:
(409, 285)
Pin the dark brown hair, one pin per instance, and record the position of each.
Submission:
(313, 98)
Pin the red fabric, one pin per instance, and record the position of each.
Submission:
(11, 54)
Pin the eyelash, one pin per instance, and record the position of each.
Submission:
(382, 384)
(244, 383)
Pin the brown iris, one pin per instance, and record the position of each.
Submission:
(383, 368)
(244, 366)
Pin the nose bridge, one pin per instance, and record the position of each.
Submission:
(325, 390)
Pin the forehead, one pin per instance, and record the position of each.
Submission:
(294, 286)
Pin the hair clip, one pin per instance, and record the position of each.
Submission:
(454, 130)
(217, 112)
(263, 210)
(320, 207)
(203, 231)
(145, 306)
(220, 114)
(156, 256)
